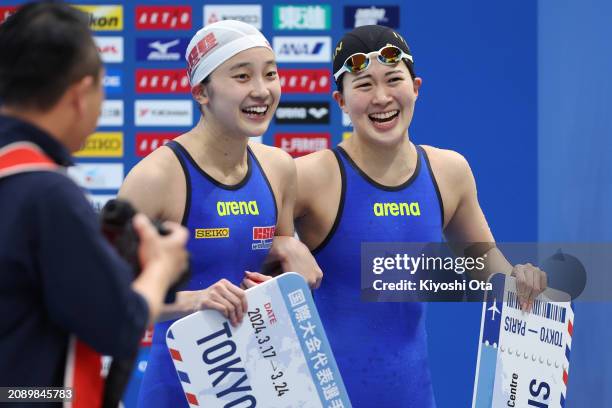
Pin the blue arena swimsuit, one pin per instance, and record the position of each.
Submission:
(380, 348)
(231, 230)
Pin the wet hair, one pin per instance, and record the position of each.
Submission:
(45, 47)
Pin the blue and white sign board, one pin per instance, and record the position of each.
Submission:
(278, 357)
(523, 358)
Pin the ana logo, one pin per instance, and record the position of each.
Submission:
(357, 16)
(302, 49)
(6, 11)
(300, 144)
(163, 113)
(212, 233)
(162, 81)
(305, 80)
(103, 17)
(163, 17)
(102, 144)
(111, 113)
(312, 17)
(237, 208)
(397, 209)
(247, 13)
(147, 142)
(97, 176)
(263, 237)
(302, 112)
(112, 81)
(160, 49)
(110, 48)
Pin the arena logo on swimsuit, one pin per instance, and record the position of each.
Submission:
(237, 208)
(397, 209)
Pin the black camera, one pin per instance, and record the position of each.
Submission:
(116, 219)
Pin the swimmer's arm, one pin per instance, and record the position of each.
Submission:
(146, 187)
(469, 234)
(312, 174)
(223, 296)
(467, 231)
(288, 253)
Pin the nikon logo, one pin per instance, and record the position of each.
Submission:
(104, 17)
(237, 208)
(212, 233)
(397, 209)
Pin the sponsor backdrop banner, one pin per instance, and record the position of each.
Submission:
(467, 54)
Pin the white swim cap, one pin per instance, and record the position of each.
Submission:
(216, 43)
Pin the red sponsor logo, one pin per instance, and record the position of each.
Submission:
(150, 81)
(305, 80)
(6, 11)
(108, 49)
(262, 233)
(163, 17)
(147, 337)
(300, 144)
(201, 49)
(147, 142)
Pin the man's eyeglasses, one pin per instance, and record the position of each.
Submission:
(359, 62)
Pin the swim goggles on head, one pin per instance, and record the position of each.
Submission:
(359, 62)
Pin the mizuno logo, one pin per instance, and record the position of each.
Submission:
(163, 47)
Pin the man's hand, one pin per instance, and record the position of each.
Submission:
(530, 282)
(294, 256)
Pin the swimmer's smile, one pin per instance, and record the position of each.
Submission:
(256, 112)
(384, 120)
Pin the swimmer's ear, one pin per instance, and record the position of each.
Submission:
(200, 94)
(416, 83)
(339, 98)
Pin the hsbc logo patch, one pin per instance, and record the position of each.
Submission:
(247, 13)
(6, 11)
(305, 80)
(162, 81)
(110, 48)
(163, 113)
(289, 113)
(263, 237)
(302, 49)
(161, 49)
(301, 144)
(163, 17)
(147, 142)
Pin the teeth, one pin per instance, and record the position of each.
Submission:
(256, 109)
(384, 115)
